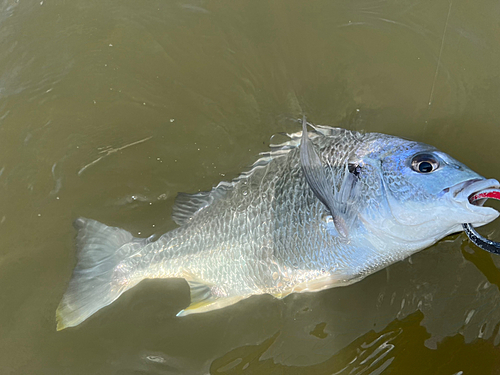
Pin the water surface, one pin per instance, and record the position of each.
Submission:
(108, 109)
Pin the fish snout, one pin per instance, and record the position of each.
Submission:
(468, 204)
(463, 191)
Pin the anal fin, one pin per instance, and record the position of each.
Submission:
(203, 299)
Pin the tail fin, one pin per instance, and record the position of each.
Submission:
(95, 282)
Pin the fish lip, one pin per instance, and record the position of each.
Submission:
(463, 191)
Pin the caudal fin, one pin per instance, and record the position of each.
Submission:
(95, 282)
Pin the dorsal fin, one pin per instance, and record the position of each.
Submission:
(186, 206)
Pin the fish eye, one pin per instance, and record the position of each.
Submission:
(424, 163)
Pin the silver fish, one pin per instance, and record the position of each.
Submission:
(324, 209)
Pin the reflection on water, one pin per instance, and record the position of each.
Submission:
(399, 343)
(108, 109)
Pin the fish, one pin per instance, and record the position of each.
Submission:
(326, 208)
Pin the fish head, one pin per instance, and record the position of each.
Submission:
(418, 194)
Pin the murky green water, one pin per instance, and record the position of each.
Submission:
(109, 108)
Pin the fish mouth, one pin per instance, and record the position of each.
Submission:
(475, 192)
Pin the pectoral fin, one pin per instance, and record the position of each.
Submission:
(341, 203)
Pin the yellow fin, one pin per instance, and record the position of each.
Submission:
(202, 299)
